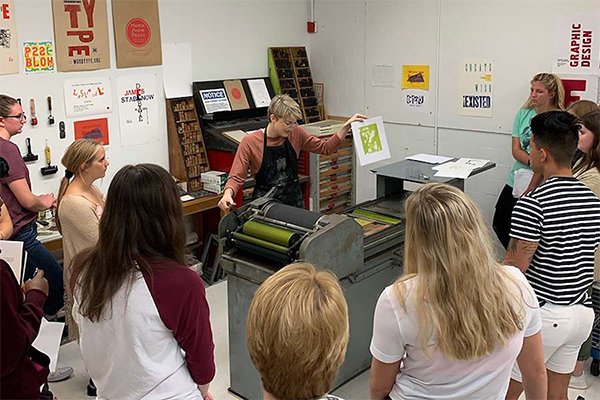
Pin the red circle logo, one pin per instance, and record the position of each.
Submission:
(235, 92)
(138, 32)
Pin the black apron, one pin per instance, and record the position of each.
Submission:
(279, 169)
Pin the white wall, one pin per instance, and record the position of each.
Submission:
(229, 40)
(516, 35)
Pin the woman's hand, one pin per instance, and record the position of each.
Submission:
(226, 202)
(347, 125)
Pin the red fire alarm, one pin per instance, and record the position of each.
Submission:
(311, 27)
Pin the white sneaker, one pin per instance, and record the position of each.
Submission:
(581, 382)
(61, 374)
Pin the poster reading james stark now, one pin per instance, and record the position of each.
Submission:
(81, 35)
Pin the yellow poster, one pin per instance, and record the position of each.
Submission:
(415, 77)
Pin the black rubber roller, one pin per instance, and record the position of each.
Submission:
(292, 215)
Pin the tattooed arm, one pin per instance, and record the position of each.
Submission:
(519, 253)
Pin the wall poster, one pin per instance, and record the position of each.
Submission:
(577, 44)
(476, 88)
(9, 51)
(87, 96)
(38, 56)
(96, 129)
(138, 108)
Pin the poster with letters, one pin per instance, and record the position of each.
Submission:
(370, 141)
(476, 88)
(9, 50)
(577, 44)
(81, 35)
(138, 108)
(137, 33)
(38, 56)
(87, 96)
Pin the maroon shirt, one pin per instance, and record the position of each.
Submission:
(20, 377)
(19, 215)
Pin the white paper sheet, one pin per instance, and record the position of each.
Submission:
(186, 197)
(429, 158)
(260, 93)
(87, 96)
(12, 253)
(472, 162)
(177, 70)
(48, 340)
(370, 142)
(522, 179)
(138, 108)
(454, 170)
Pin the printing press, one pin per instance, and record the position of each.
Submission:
(362, 246)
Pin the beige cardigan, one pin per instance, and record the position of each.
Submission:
(591, 179)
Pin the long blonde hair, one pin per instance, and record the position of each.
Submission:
(79, 153)
(465, 299)
(553, 83)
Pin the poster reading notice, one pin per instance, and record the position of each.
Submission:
(370, 141)
(81, 35)
(138, 108)
(9, 51)
(215, 100)
(38, 56)
(577, 45)
(137, 33)
(476, 89)
(87, 96)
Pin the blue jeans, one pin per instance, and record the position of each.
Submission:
(39, 257)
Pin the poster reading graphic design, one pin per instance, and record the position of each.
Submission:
(38, 56)
(137, 33)
(580, 87)
(87, 97)
(81, 35)
(370, 141)
(577, 44)
(415, 77)
(138, 108)
(9, 51)
(476, 88)
(96, 129)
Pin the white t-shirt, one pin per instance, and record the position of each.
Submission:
(432, 375)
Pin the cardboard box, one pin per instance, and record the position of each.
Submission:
(214, 177)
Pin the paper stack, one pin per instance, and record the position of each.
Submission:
(460, 168)
(214, 181)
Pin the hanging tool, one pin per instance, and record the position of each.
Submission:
(29, 156)
(61, 130)
(34, 120)
(50, 116)
(48, 169)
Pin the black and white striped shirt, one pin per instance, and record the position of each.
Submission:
(563, 217)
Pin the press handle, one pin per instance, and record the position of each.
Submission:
(50, 104)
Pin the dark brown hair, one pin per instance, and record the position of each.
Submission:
(6, 103)
(592, 159)
(143, 218)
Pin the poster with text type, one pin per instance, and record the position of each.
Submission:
(577, 44)
(214, 100)
(236, 94)
(9, 50)
(580, 87)
(38, 56)
(370, 142)
(87, 96)
(80, 35)
(415, 77)
(138, 108)
(416, 100)
(260, 93)
(137, 33)
(476, 88)
(96, 129)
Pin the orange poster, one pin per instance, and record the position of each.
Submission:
(96, 129)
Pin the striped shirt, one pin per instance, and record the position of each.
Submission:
(563, 217)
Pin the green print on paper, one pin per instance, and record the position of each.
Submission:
(369, 136)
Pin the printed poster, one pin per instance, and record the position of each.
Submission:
(214, 100)
(38, 56)
(416, 100)
(383, 76)
(577, 44)
(260, 92)
(81, 35)
(370, 141)
(9, 50)
(137, 33)
(236, 94)
(87, 96)
(415, 77)
(476, 88)
(138, 108)
(580, 87)
(96, 129)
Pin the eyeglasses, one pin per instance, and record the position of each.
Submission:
(289, 124)
(21, 116)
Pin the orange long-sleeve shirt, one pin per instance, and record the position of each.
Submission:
(249, 154)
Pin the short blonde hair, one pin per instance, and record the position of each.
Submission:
(283, 106)
(298, 331)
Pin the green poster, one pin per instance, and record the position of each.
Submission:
(369, 136)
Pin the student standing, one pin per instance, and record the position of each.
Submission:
(546, 93)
